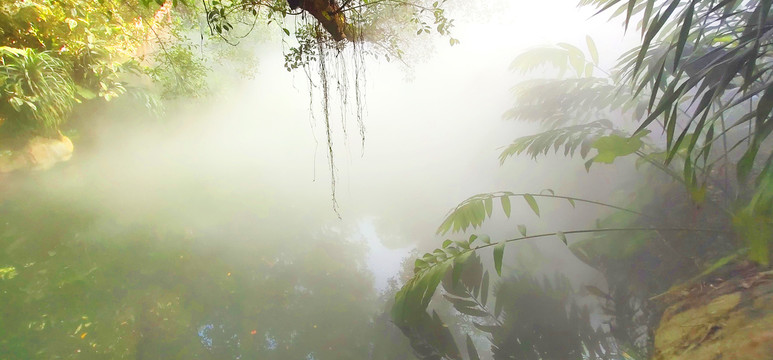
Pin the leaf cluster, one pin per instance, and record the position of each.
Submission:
(56, 54)
(706, 69)
(38, 88)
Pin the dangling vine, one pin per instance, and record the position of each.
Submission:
(324, 40)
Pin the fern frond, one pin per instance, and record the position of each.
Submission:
(571, 138)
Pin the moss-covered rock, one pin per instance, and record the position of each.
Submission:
(728, 318)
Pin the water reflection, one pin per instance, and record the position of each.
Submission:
(83, 281)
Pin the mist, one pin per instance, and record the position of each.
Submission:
(254, 153)
(221, 215)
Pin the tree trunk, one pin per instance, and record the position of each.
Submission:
(329, 14)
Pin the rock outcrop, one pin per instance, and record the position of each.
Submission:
(730, 317)
(39, 153)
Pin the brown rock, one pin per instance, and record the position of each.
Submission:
(719, 324)
(40, 153)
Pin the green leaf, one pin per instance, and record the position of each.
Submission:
(486, 328)
(685, 31)
(286, 31)
(522, 229)
(472, 239)
(485, 238)
(653, 30)
(499, 252)
(85, 93)
(562, 237)
(489, 206)
(446, 225)
(588, 164)
(765, 105)
(614, 146)
(447, 243)
(532, 203)
(471, 351)
(646, 17)
(457, 302)
(484, 289)
(506, 205)
(629, 12)
(594, 53)
(419, 264)
(571, 202)
(472, 311)
(756, 230)
(459, 262)
(499, 303)
(746, 162)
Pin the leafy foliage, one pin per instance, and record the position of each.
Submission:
(701, 74)
(707, 72)
(180, 71)
(572, 138)
(356, 21)
(57, 54)
(712, 54)
(474, 211)
(526, 318)
(38, 88)
(541, 321)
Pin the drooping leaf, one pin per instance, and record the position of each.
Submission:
(498, 305)
(629, 12)
(562, 237)
(652, 31)
(499, 251)
(459, 302)
(472, 311)
(484, 289)
(459, 263)
(489, 206)
(505, 204)
(687, 22)
(419, 264)
(532, 203)
(746, 162)
(594, 53)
